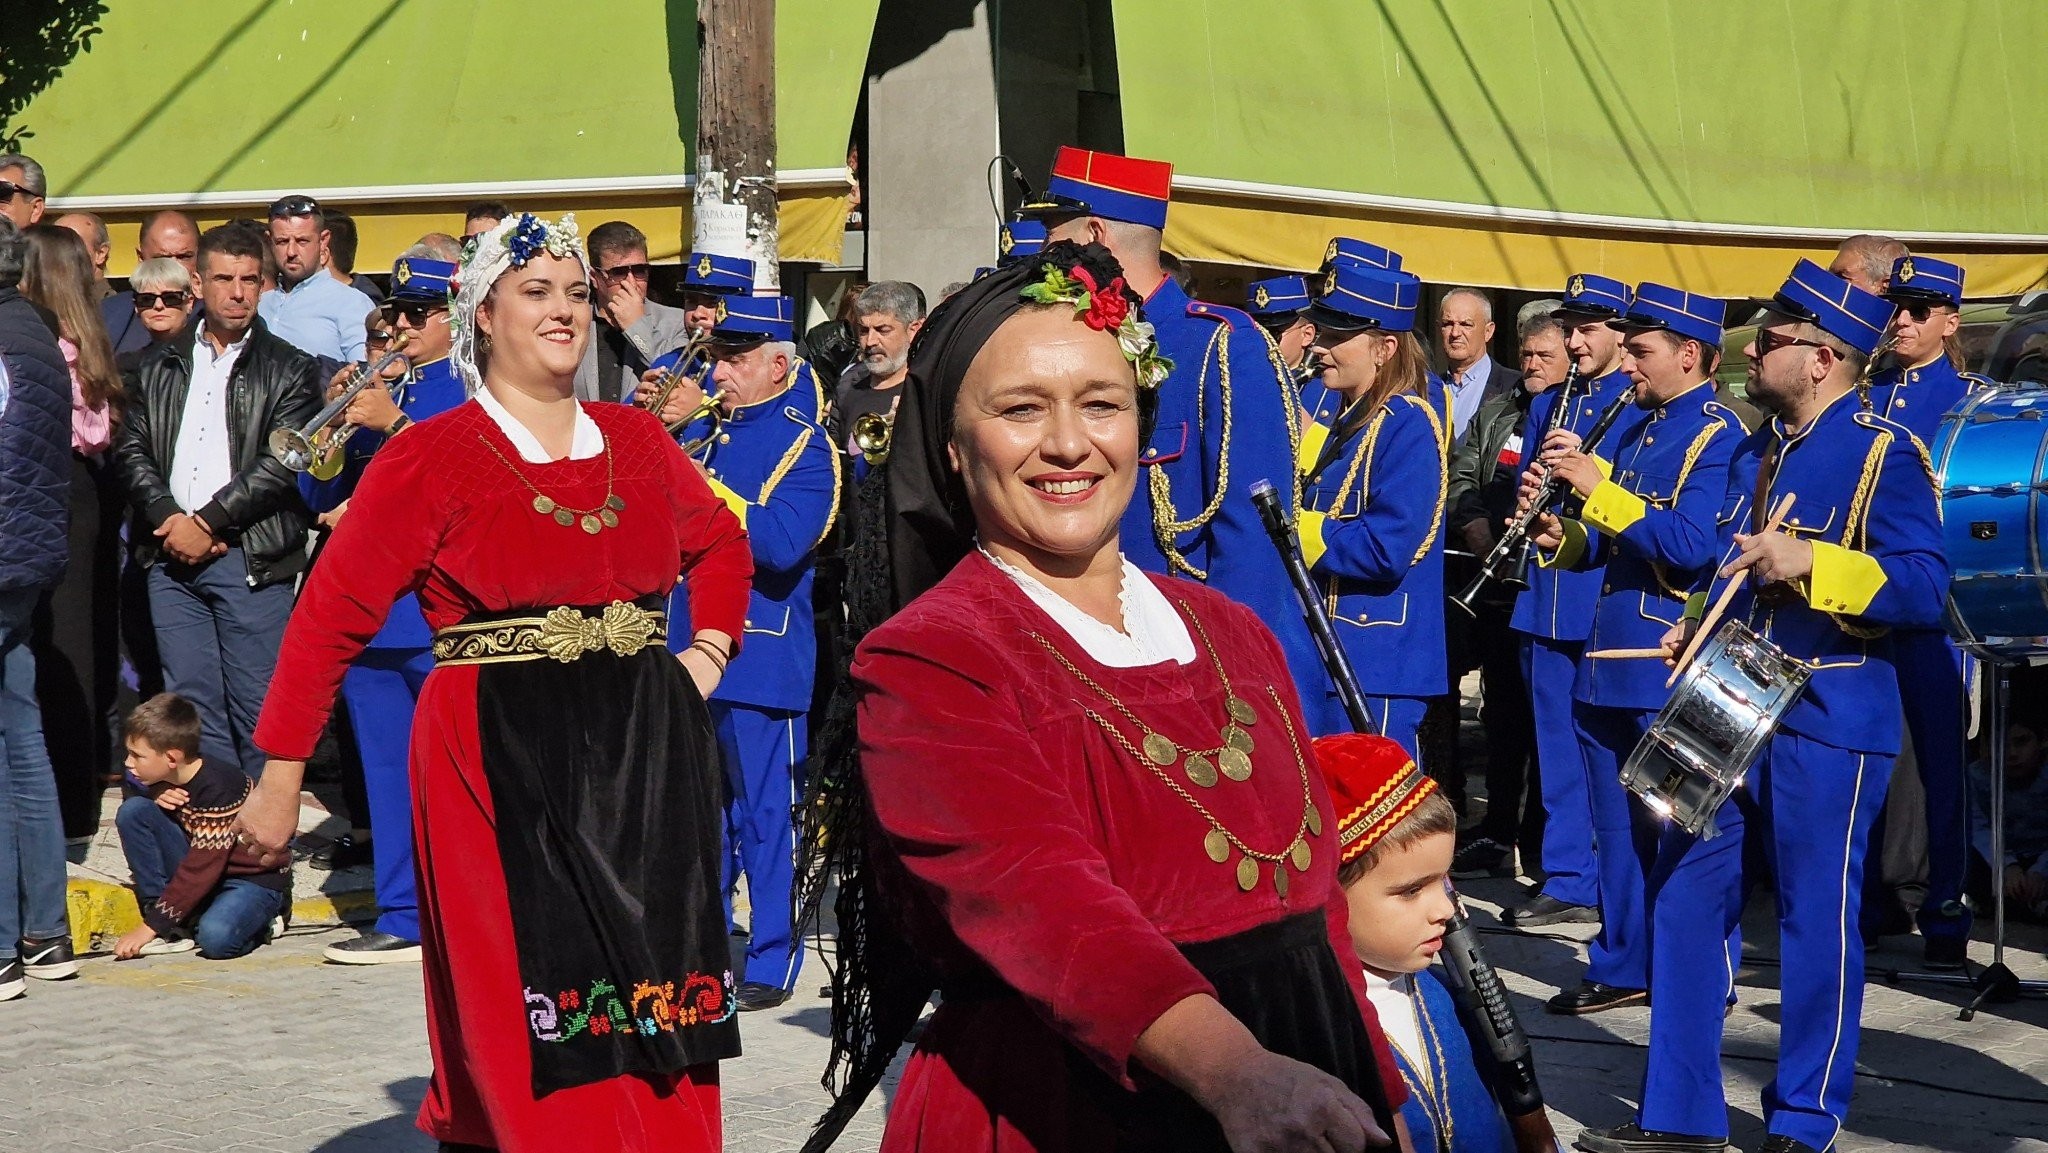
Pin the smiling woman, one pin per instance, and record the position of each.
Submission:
(1096, 824)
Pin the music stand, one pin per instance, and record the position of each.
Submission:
(1994, 982)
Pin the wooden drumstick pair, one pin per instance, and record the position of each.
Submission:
(1707, 623)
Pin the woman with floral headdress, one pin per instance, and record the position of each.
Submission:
(1083, 805)
(565, 790)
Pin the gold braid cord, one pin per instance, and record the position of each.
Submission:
(1856, 527)
(788, 461)
(1164, 526)
(1361, 469)
(1290, 395)
(1715, 427)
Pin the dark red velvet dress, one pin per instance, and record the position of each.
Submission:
(438, 513)
(1049, 876)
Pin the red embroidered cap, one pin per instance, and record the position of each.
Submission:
(1373, 786)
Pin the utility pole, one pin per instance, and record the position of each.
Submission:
(734, 206)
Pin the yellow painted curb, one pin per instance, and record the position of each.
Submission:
(102, 911)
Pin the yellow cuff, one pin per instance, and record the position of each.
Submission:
(1313, 546)
(1844, 581)
(1312, 443)
(1570, 550)
(1695, 607)
(734, 501)
(1612, 508)
(1606, 469)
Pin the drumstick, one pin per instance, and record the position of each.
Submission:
(1624, 654)
(1713, 616)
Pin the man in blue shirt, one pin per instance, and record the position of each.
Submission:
(309, 308)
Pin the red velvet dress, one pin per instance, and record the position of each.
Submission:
(1030, 852)
(439, 514)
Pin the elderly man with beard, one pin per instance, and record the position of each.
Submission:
(887, 314)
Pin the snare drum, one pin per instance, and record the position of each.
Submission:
(1709, 734)
(1989, 460)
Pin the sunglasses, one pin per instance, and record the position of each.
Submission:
(9, 190)
(1919, 310)
(294, 206)
(1768, 342)
(378, 337)
(416, 315)
(618, 272)
(174, 299)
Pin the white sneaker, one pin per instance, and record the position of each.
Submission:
(159, 947)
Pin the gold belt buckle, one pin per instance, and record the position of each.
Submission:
(566, 634)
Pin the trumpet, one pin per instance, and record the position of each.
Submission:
(871, 433)
(673, 378)
(317, 445)
(712, 406)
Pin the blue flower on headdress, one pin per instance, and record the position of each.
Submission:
(527, 237)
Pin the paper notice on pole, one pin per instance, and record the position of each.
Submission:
(721, 228)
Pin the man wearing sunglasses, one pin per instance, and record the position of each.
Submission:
(22, 189)
(629, 332)
(383, 685)
(1857, 558)
(309, 308)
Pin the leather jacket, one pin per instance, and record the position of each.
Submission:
(271, 386)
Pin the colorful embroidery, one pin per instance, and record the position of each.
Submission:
(698, 999)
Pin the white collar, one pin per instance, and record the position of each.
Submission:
(587, 441)
(1155, 633)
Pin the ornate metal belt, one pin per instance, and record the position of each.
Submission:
(564, 634)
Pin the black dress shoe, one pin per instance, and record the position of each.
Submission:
(1634, 1139)
(756, 995)
(1544, 909)
(1593, 997)
(375, 947)
(345, 853)
(1779, 1143)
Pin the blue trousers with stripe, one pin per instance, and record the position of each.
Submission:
(763, 751)
(1399, 719)
(1620, 954)
(1931, 688)
(1569, 874)
(382, 688)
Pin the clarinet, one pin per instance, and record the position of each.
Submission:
(1518, 538)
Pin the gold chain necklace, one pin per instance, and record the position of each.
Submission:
(593, 520)
(1233, 757)
(1220, 840)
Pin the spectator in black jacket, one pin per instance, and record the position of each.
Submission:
(35, 486)
(218, 520)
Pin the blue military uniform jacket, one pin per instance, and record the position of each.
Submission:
(1865, 498)
(1559, 601)
(1373, 530)
(1194, 491)
(432, 390)
(1919, 397)
(1659, 513)
(774, 465)
(805, 393)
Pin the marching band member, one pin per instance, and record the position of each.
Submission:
(1555, 613)
(1226, 414)
(774, 466)
(1923, 384)
(1654, 508)
(382, 686)
(1859, 556)
(1373, 505)
(1279, 305)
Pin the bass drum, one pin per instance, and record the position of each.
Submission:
(1991, 467)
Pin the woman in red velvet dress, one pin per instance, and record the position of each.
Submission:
(565, 793)
(1094, 820)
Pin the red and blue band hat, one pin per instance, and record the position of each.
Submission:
(1819, 297)
(1085, 183)
(1925, 279)
(1374, 785)
(1600, 297)
(709, 272)
(753, 319)
(1687, 314)
(421, 278)
(1355, 297)
(1347, 250)
(1022, 238)
(1278, 298)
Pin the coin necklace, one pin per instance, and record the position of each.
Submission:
(592, 520)
(1233, 758)
(1220, 841)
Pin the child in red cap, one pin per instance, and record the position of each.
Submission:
(1395, 836)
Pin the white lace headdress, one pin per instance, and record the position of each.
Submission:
(514, 241)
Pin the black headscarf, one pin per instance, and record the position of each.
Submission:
(911, 525)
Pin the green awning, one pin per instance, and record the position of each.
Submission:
(1612, 130)
(405, 101)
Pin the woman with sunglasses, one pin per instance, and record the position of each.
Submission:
(164, 304)
(566, 788)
